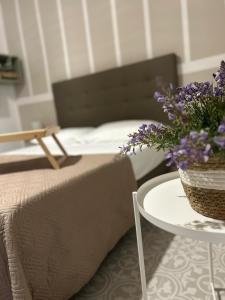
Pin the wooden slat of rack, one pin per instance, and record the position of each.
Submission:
(48, 154)
(38, 135)
(28, 135)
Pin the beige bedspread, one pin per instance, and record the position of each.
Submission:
(56, 226)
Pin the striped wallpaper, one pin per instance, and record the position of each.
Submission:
(59, 39)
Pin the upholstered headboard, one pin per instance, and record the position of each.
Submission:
(118, 94)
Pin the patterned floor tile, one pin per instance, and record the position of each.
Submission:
(177, 269)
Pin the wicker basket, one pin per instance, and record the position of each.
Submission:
(204, 185)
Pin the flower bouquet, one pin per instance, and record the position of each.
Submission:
(194, 141)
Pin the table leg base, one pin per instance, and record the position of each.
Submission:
(213, 290)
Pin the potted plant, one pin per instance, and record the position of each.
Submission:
(194, 141)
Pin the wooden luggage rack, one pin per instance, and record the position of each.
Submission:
(39, 134)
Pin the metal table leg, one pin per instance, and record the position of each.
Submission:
(211, 273)
(140, 247)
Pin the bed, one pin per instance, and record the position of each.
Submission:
(96, 112)
(58, 225)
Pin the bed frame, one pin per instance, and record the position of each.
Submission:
(118, 94)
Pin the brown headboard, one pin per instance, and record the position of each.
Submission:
(118, 94)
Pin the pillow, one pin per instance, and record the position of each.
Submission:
(114, 131)
(68, 134)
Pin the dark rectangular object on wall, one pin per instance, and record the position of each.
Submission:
(118, 94)
(10, 69)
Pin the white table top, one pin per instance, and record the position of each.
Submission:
(166, 206)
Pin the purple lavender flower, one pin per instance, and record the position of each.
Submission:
(219, 141)
(180, 106)
(174, 104)
(203, 136)
(151, 128)
(169, 154)
(159, 97)
(192, 148)
(193, 135)
(171, 116)
(170, 105)
(142, 127)
(219, 76)
(184, 141)
(125, 149)
(141, 137)
(182, 165)
(218, 91)
(169, 157)
(221, 128)
(194, 91)
(154, 128)
(207, 152)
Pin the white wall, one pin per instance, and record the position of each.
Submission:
(61, 39)
(9, 118)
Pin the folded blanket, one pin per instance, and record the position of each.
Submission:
(56, 226)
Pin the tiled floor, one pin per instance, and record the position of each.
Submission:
(177, 269)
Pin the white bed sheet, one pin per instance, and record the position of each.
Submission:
(105, 139)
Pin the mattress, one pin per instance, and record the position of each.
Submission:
(105, 139)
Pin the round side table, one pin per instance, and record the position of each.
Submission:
(162, 202)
